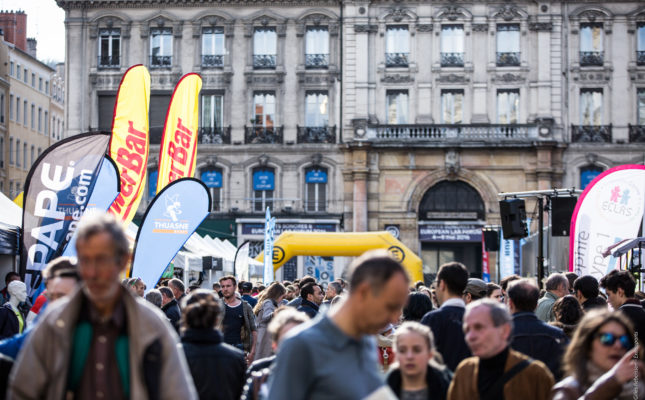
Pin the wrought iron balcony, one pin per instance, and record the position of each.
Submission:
(636, 133)
(160, 61)
(456, 132)
(592, 58)
(212, 60)
(262, 135)
(591, 133)
(215, 135)
(316, 61)
(109, 61)
(316, 134)
(508, 59)
(264, 61)
(396, 59)
(640, 57)
(452, 59)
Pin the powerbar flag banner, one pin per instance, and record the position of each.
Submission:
(57, 191)
(609, 210)
(179, 141)
(105, 191)
(269, 228)
(172, 216)
(129, 144)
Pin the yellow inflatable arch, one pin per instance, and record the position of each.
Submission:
(350, 244)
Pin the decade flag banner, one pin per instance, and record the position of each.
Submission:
(179, 141)
(129, 144)
(609, 210)
(57, 191)
(106, 189)
(170, 219)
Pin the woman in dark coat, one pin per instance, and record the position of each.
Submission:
(217, 368)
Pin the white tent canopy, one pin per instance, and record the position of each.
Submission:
(10, 212)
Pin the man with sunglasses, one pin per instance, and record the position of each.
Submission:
(620, 287)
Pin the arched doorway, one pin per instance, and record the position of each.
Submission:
(451, 215)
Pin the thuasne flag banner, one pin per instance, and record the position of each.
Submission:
(129, 144)
(105, 191)
(57, 191)
(172, 216)
(179, 141)
(609, 210)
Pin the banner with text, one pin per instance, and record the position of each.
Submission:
(57, 190)
(129, 144)
(609, 210)
(172, 216)
(269, 227)
(179, 141)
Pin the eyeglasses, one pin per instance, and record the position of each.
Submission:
(608, 339)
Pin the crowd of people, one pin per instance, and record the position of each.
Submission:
(375, 335)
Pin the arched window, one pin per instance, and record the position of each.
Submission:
(263, 187)
(212, 178)
(588, 173)
(450, 200)
(316, 189)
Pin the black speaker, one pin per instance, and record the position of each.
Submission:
(491, 240)
(214, 263)
(513, 213)
(561, 212)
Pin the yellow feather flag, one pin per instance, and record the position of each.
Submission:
(129, 144)
(178, 148)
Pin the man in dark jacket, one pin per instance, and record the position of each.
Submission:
(446, 322)
(170, 307)
(620, 287)
(312, 296)
(586, 291)
(531, 336)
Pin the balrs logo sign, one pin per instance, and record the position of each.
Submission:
(621, 201)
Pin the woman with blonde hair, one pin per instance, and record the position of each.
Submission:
(268, 301)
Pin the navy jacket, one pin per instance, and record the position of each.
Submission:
(308, 308)
(446, 324)
(173, 313)
(539, 340)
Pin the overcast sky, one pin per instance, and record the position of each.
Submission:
(45, 22)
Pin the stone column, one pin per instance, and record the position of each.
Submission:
(359, 190)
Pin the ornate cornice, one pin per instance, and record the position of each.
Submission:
(99, 4)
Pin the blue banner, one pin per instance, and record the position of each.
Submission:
(172, 216)
(263, 180)
(212, 179)
(106, 189)
(316, 176)
(269, 227)
(152, 184)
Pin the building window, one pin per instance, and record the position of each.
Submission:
(40, 151)
(24, 113)
(316, 189)
(10, 151)
(263, 187)
(588, 174)
(264, 48)
(1, 152)
(397, 46)
(213, 49)
(40, 84)
(11, 193)
(591, 107)
(11, 107)
(212, 119)
(160, 47)
(452, 102)
(17, 153)
(46, 122)
(264, 109)
(18, 70)
(508, 45)
(317, 47)
(2, 108)
(508, 106)
(212, 178)
(640, 43)
(46, 87)
(24, 155)
(109, 48)
(40, 119)
(591, 49)
(25, 77)
(397, 107)
(33, 116)
(33, 154)
(11, 68)
(33, 80)
(17, 109)
(316, 109)
(452, 45)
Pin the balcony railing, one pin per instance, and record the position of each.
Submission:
(316, 61)
(396, 59)
(262, 135)
(591, 133)
(316, 134)
(215, 135)
(452, 59)
(264, 61)
(640, 57)
(160, 61)
(212, 60)
(592, 58)
(109, 61)
(508, 59)
(462, 133)
(636, 133)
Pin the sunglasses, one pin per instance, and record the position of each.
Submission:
(608, 339)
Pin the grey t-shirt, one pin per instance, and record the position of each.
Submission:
(320, 362)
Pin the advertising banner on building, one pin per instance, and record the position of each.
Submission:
(179, 141)
(57, 191)
(170, 219)
(450, 233)
(129, 144)
(485, 265)
(322, 268)
(609, 210)
(269, 227)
